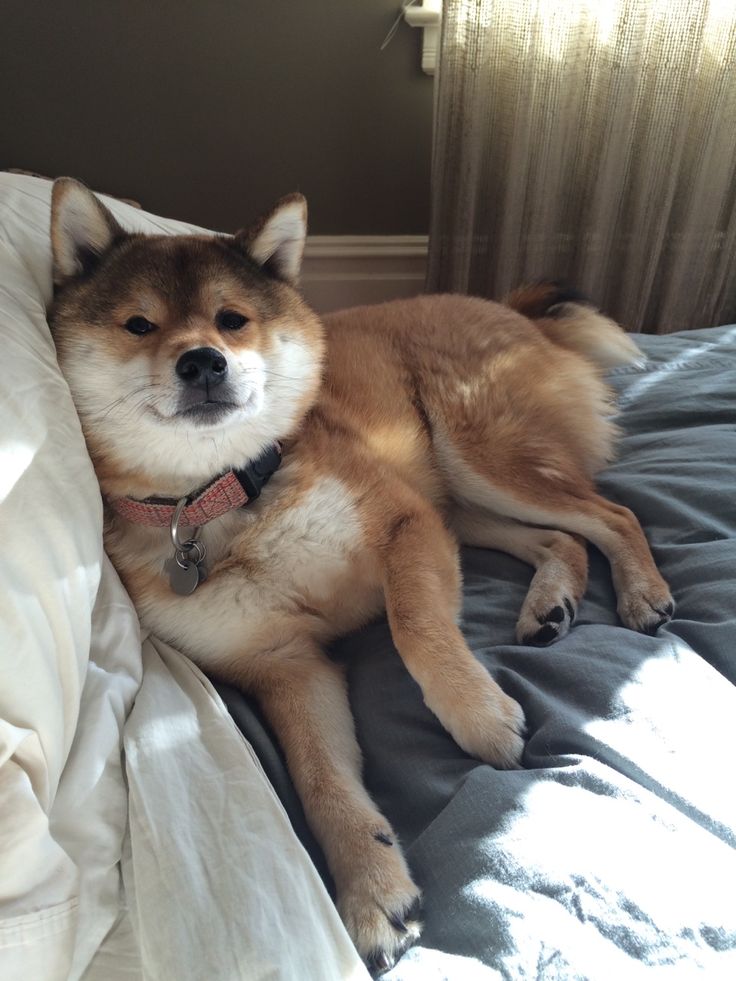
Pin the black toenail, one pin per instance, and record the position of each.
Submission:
(397, 923)
(384, 839)
(378, 960)
(570, 609)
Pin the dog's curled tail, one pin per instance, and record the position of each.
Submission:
(568, 319)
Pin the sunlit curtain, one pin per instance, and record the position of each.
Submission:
(592, 141)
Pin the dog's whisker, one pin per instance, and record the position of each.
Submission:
(128, 395)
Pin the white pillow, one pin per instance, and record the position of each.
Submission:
(69, 638)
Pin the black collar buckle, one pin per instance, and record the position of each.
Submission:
(256, 474)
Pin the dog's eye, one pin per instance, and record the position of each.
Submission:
(229, 320)
(139, 325)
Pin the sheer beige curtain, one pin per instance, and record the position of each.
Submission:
(592, 141)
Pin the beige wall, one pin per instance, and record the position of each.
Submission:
(209, 110)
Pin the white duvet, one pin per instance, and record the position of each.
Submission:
(139, 837)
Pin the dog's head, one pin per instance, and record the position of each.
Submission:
(185, 354)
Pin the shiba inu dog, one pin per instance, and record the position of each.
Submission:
(273, 481)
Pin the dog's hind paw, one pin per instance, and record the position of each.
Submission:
(542, 629)
(646, 610)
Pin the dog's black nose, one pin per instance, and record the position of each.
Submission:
(202, 366)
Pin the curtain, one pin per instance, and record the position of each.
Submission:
(592, 141)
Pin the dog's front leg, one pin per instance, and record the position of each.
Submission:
(304, 697)
(422, 591)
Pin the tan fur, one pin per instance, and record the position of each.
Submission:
(411, 425)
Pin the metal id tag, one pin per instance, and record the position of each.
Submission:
(184, 576)
(186, 573)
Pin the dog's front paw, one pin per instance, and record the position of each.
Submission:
(379, 905)
(492, 728)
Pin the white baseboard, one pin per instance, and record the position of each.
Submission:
(347, 270)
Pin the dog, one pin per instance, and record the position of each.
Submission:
(273, 481)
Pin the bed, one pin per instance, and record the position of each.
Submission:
(144, 835)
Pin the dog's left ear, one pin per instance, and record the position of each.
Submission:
(82, 229)
(276, 242)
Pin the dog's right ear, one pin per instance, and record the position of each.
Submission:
(82, 229)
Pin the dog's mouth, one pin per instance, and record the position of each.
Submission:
(207, 411)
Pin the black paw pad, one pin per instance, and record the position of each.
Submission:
(546, 635)
(397, 923)
(555, 615)
(383, 838)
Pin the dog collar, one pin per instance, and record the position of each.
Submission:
(231, 490)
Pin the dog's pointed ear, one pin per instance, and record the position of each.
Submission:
(82, 229)
(276, 242)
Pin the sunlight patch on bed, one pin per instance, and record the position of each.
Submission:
(601, 868)
(170, 731)
(669, 716)
(425, 964)
(665, 371)
(623, 852)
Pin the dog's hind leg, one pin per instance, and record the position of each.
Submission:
(560, 560)
(569, 502)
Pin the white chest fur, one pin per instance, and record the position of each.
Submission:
(309, 548)
(308, 562)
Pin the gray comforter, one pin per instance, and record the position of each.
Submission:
(611, 853)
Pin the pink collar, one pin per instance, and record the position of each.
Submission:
(233, 489)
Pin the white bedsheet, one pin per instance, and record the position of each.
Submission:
(193, 874)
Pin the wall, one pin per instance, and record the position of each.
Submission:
(209, 110)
